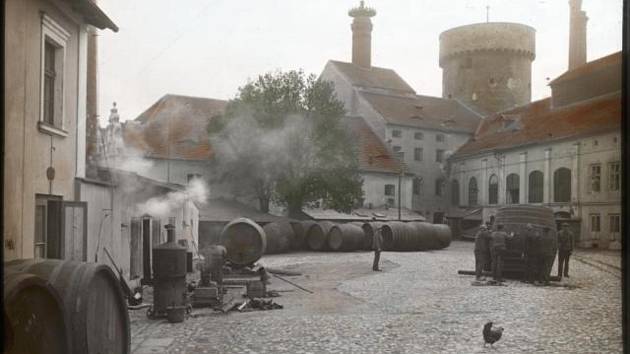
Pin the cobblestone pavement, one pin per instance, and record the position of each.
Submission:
(418, 304)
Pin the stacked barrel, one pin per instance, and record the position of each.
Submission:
(246, 242)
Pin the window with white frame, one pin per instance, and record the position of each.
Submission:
(614, 176)
(439, 155)
(596, 177)
(418, 136)
(615, 223)
(440, 138)
(396, 133)
(390, 189)
(417, 186)
(417, 154)
(53, 55)
(595, 223)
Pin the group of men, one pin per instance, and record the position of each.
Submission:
(537, 253)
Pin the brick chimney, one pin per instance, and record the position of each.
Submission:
(577, 35)
(362, 35)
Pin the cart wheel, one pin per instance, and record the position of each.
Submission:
(150, 313)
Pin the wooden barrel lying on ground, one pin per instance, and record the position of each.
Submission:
(299, 234)
(399, 236)
(94, 307)
(317, 236)
(346, 237)
(244, 241)
(33, 316)
(279, 235)
(443, 234)
(427, 237)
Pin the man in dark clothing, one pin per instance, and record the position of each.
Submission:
(377, 242)
(497, 251)
(214, 259)
(482, 249)
(530, 253)
(546, 259)
(565, 248)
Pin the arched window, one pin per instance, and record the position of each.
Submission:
(493, 190)
(472, 191)
(455, 192)
(536, 183)
(512, 188)
(562, 185)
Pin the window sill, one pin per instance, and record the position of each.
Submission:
(51, 130)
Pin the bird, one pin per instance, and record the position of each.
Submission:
(491, 335)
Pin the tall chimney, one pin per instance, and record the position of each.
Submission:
(91, 100)
(577, 35)
(362, 35)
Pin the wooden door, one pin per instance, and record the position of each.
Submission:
(74, 228)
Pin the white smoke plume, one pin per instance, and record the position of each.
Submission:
(163, 206)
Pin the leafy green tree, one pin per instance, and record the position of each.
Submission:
(282, 138)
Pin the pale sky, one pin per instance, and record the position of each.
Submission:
(208, 48)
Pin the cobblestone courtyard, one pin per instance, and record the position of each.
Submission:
(418, 304)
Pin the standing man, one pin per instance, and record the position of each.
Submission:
(546, 257)
(482, 250)
(566, 242)
(530, 253)
(377, 243)
(497, 251)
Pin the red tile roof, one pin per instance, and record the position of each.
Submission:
(424, 112)
(373, 77)
(174, 128)
(589, 68)
(373, 154)
(538, 122)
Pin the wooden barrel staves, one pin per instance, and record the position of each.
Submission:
(369, 228)
(299, 234)
(443, 234)
(345, 237)
(33, 316)
(94, 308)
(279, 235)
(244, 241)
(317, 236)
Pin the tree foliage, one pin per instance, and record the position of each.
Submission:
(282, 138)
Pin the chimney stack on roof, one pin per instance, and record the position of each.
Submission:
(362, 35)
(577, 35)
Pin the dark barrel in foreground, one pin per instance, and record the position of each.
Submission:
(317, 236)
(33, 316)
(95, 310)
(244, 241)
(515, 220)
(346, 237)
(280, 236)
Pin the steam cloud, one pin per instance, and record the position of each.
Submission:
(163, 206)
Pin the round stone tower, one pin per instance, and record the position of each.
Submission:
(488, 66)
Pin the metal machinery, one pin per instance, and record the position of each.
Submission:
(170, 297)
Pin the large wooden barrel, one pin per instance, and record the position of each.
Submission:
(398, 236)
(94, 306)
(317, 236)
(279, 235)
(299, 234)
(346, 237)
(427, 238)
(515, 219)
(443, 235)
(33, 316)
(244, 241)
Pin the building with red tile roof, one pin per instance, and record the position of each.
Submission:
(562, 152)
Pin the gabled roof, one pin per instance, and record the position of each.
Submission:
(372, 153)
(175, 127)
(224, 210)
(424, 112)
(590, 68)
(373, 77)
(539, 123)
